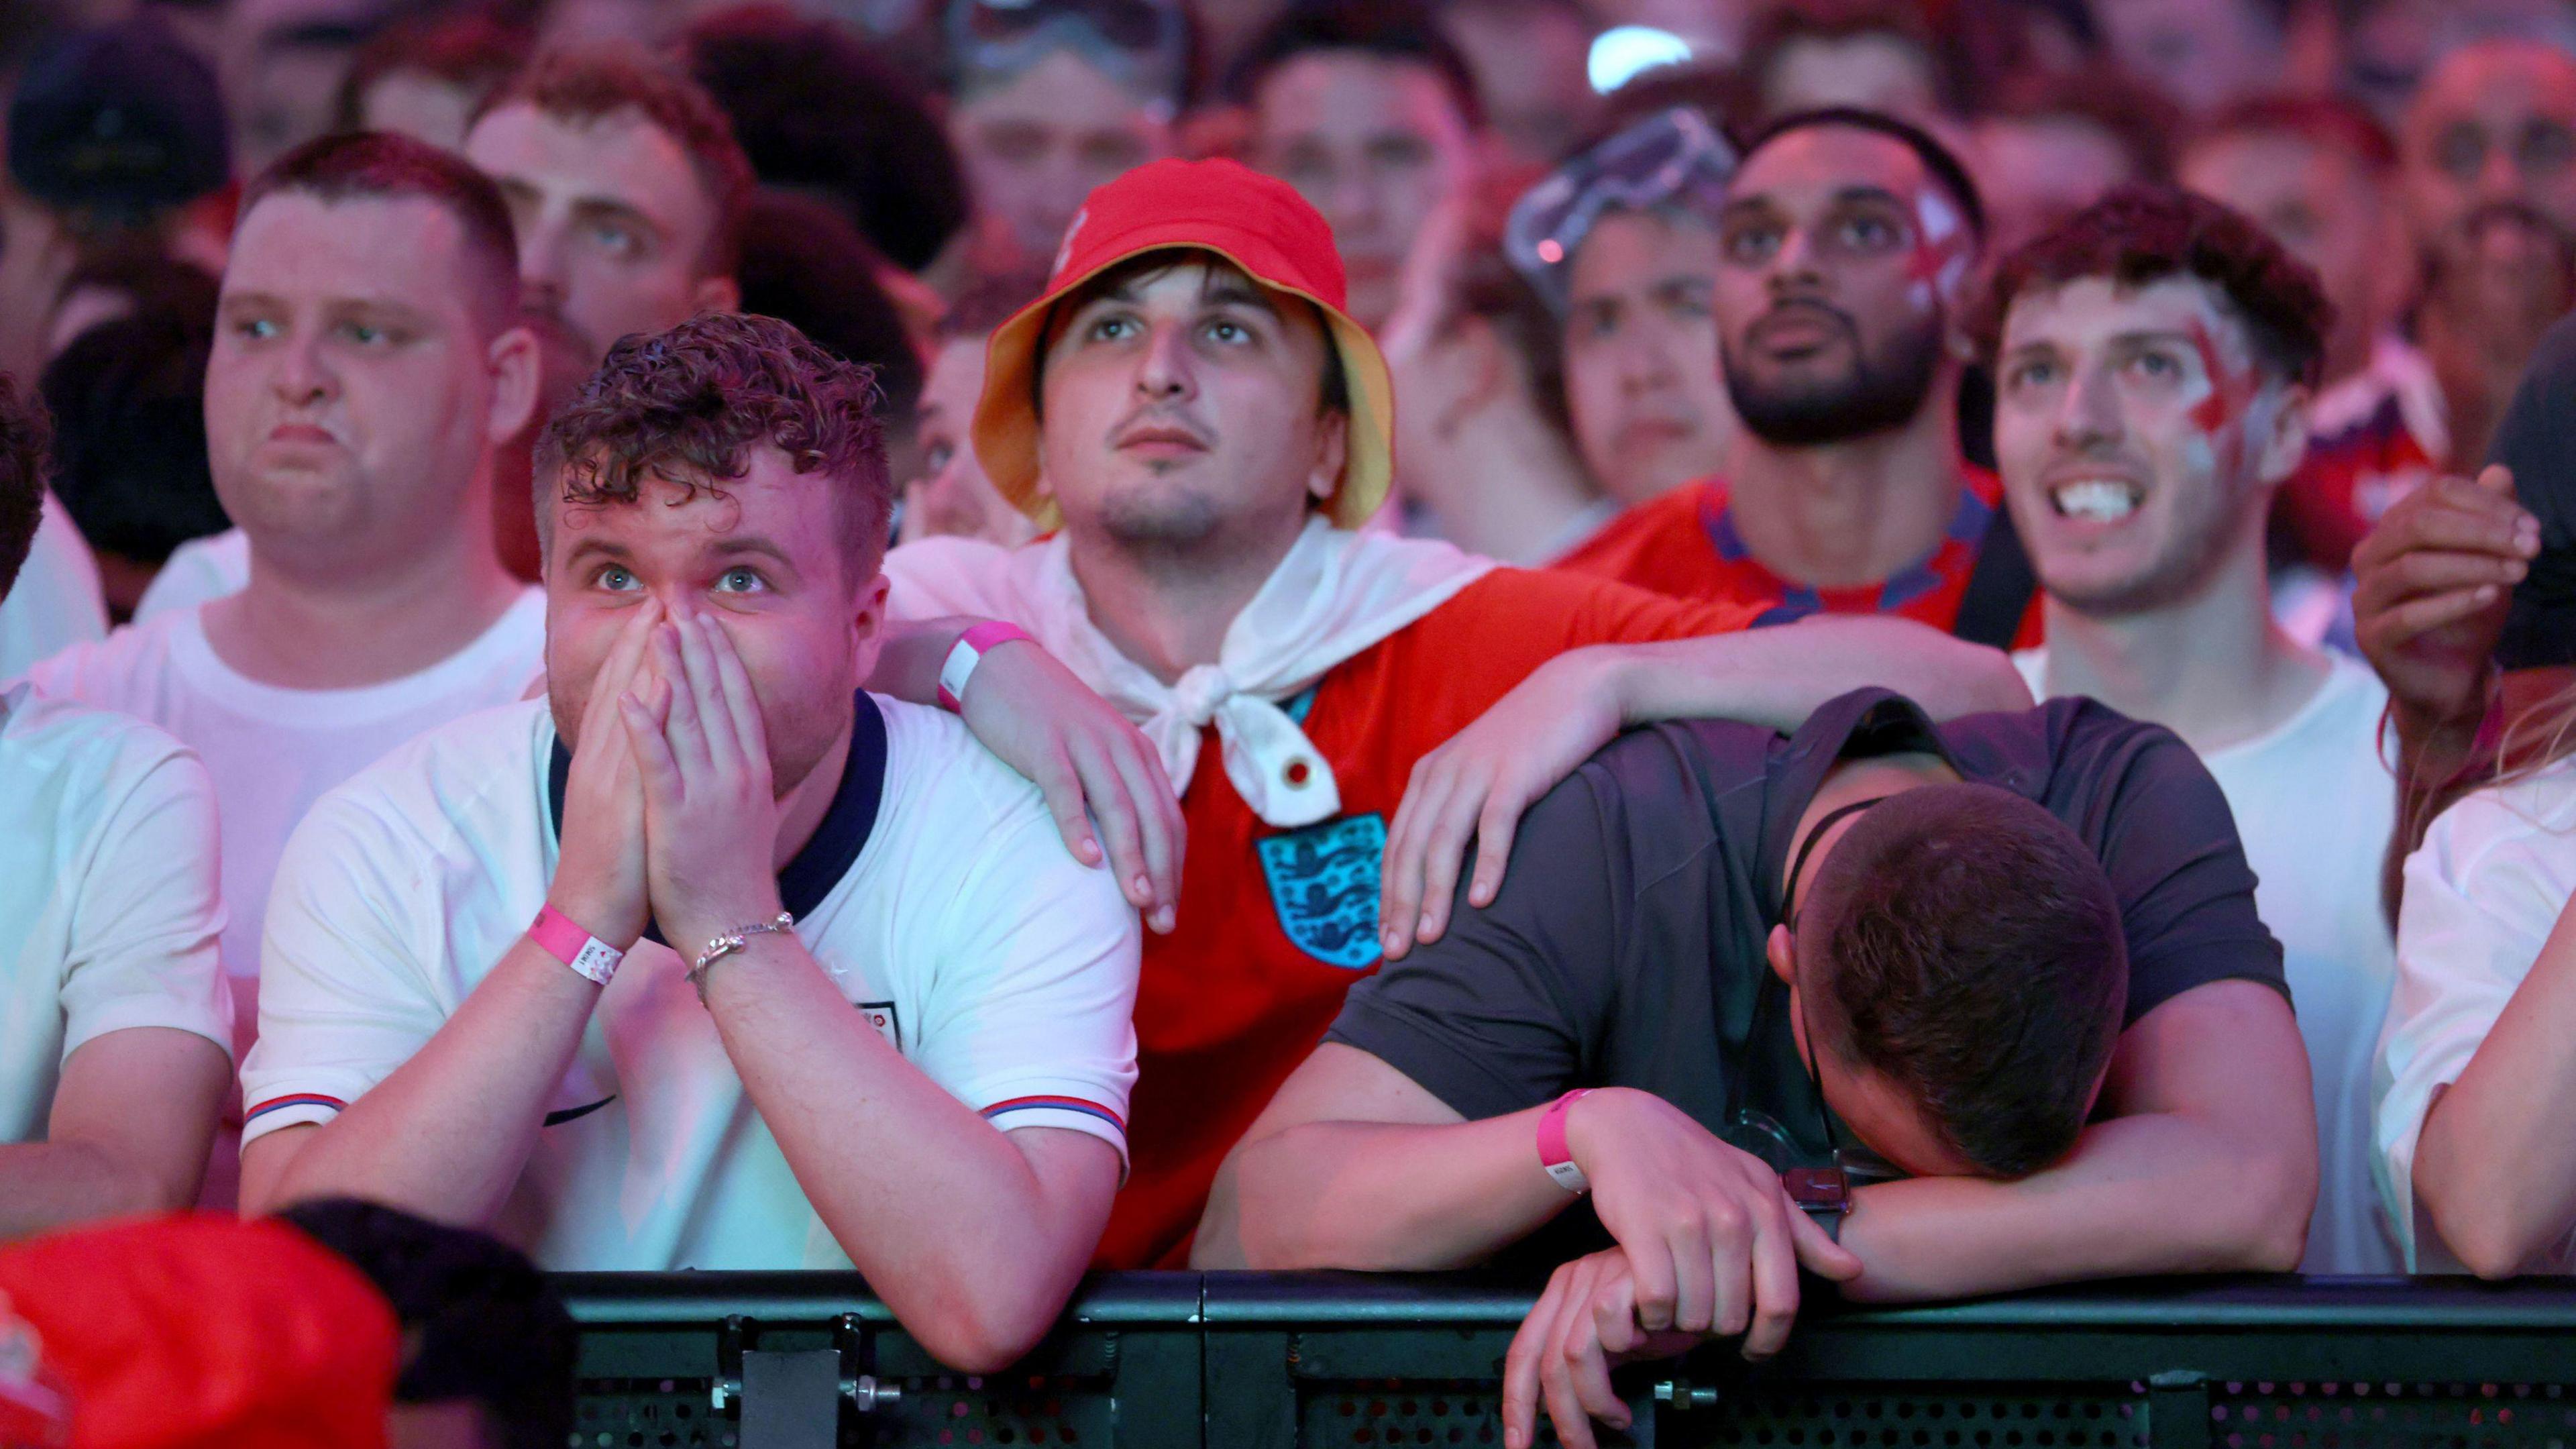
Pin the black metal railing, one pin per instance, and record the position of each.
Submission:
(1270, 1361)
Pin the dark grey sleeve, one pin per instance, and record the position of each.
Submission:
(2186, 892)
(2537, 440)
(1505, 1009)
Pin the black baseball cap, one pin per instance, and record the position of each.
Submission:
(118, 123)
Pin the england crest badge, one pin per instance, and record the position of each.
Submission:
(1324, 884)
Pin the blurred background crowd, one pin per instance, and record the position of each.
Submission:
(917, 162)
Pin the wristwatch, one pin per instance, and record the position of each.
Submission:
(1822, 1193)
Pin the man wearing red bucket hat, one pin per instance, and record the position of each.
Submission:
(1202, 428)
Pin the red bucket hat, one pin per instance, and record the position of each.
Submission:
(1258, 223)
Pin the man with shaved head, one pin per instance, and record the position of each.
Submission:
(367, 362)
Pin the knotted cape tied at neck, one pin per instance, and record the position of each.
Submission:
(1336, 594)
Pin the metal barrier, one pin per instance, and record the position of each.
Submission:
(1257, 1361)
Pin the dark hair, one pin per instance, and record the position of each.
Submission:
(805, 264)
(1722, 97)
(1791, 22)
(1401, 30)
(1938, 160)
(2329, 121)
(817, 110)
(380, 166)
(586, 83)
(480, 1324)
(23, 439)
(1335, 396)
(687, 406)
(2140, 119)
(128, 398)
(988, 301)
(2140, 234)
(475, 53)
(1971, 952)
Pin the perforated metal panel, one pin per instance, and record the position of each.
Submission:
(649, 1414)
(2391, 1416)
(1400, 1413)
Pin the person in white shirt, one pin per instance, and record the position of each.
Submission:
(57, 601)
(2474, 1072)
(114, 1028)
(365, 365)
(199, 571)
(891, 1028)
(2154, 358)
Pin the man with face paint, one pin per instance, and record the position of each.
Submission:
(1843, 248)
(2155, 361)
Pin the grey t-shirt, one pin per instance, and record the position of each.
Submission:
(1626, 946)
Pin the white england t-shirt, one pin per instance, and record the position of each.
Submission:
(55, 602)
(936, 892)
(2483, 893)
(108, 904)
(273, 751)
(2314, 806)
(199, 571)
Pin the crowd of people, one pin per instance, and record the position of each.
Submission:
(1720, 648)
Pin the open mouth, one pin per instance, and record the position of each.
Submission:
(2096, 500)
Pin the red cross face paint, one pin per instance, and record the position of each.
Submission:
(2122, 460)
(1939, 261)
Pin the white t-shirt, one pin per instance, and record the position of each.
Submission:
(2483, 893)
(56, 601)
(937, 893)
(2314, 806)
(108, 904)
(199, 571)
(273, 751)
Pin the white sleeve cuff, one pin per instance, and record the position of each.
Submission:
(288, 1109)
(1072, 1114)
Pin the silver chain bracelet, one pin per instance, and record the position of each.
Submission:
(730, 942)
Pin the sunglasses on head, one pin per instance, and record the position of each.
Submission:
(1142, 43)
(1672, 156)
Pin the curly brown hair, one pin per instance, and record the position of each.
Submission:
(687, 406)
(2140, 235)
(24, 440)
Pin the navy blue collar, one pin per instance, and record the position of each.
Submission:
(837, 841)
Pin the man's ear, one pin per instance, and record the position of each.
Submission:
(2281, 436)
(1332, 450)
(868, 622)
(517, 361)
(1778, 949)
(717, 294)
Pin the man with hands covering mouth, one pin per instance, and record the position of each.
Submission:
(712, 958)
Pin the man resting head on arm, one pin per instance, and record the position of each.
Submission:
(2006, 973)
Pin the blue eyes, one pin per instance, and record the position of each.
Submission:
(738, 580)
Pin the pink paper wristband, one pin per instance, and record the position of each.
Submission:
(1552, 1151)
(968, 652)
(563, 938)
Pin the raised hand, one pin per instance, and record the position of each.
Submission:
(2434, 583)
(599, 873)
(710, 814)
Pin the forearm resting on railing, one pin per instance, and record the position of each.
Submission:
(1379, 1196)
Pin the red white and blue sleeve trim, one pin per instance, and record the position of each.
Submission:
(291, 1109)
(1073, 1114)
